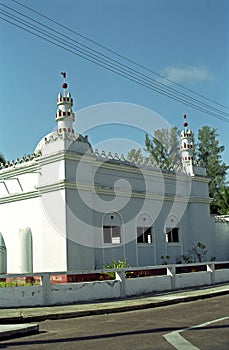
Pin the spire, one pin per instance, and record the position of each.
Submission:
(185, 123)
(186, 147)
(64, 116)
(64, 85)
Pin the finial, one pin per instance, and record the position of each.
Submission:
(185, 123)
(64, 85)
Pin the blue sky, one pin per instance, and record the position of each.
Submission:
(186, 41)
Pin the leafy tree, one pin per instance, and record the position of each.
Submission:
(2, 158)
(164, 147)
(121, 264)
(164, 150)
(165, 259)
(209, 155)
(135, 155)
(198, 252)
(221, 202)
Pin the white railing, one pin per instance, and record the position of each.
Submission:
(54, 288)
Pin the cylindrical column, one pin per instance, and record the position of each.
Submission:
(25, 250)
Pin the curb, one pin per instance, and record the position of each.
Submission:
(110, 310)
(7, 331)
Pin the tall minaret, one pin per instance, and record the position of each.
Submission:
(64, 116)
(186, 148)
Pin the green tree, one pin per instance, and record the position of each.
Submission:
(164, 147)
(135, 155)
(221, 202)
(2, 158)
(198, 252)
(121, 264)
(209, 155)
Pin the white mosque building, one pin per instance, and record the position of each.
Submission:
(66, 207)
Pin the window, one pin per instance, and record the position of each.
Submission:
(172, 235)
(112, 234)
(144, 235)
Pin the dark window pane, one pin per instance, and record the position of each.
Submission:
(116, 234)
(140, 239)
(106, 234)
(175, 234)
(112, 234)
(115, 231)
(172, 235)
(144, 235)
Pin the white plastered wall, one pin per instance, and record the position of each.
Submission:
(49, 246)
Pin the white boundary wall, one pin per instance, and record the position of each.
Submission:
(69, 293)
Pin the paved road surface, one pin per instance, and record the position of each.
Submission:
(202, 324)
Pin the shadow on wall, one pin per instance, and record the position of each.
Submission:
(3, 255)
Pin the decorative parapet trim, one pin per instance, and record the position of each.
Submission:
(11, 164)
(64, 133)
(25, 168)
(109, 160)
(140, 162)
(149, 164)
(118, 163)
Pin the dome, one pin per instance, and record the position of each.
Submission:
(77, 143)
(43, 141)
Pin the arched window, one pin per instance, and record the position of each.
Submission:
(112, 225)
(171, 229)
(144, 229)
(172, 235)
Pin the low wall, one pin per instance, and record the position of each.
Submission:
(144, 285)
(221, 276)
(127, 282)
(197, 279)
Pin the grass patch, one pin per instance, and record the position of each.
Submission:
(19, 282)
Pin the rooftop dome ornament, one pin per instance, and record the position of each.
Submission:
(185, 122)
(64, 85)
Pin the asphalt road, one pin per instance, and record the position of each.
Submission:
(202, 324)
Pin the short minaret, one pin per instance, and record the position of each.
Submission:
(187, 148)
(64, 116)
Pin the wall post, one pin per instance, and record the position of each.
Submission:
(211, 268)
(121, 276)
(171, 271)
(46, 288)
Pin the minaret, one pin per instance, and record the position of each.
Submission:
(186, 148)
(64, 138)
(64, 116)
